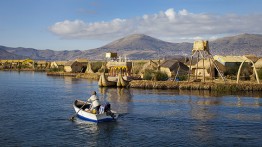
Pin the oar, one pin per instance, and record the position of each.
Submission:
(72, 118)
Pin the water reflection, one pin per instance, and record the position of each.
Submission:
(231, 101)
(73, 84)
(96, 132)
(200, 93)
(248, 102)
(68, 83)
(208, 93)
(208, 98)
(116, 94)
(86, 126)
(119, 98)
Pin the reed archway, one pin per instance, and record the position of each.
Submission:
(254, 69)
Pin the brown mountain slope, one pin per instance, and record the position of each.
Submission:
(139, 41)
(7, 55)
(42, 54)
(238, 45)
(140, 46)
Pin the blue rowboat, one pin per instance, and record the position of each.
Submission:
(104, 115)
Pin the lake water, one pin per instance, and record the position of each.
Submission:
(35, 111)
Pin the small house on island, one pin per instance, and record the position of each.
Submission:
(258, 64)
(111, 56)
(174, 68)
(11, 64)
(42, 64)
(76, 66)
(17, 64)
(58, 65)
(231, 63)
(206, 67)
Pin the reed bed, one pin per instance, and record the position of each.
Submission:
(211, 86)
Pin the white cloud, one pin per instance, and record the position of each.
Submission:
(171, 14)
(174, 26)
(183, 12)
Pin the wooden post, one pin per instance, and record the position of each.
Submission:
(204, 69)
(210, 67)
(190, 67)
(197, 65)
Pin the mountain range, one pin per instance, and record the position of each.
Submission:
(140, 46)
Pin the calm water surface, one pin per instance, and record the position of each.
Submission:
(35, 111)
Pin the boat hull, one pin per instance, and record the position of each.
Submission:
(103, 82)
(121, 82)
(97, 118)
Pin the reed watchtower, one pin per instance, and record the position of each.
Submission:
(202, 51)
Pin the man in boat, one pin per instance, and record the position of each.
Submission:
(95, 103)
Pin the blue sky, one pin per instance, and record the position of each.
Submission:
(87, 24)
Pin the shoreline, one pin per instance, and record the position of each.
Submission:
(211, 86)
(92, 76)
(230, 86)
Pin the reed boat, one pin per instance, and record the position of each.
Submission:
(105, 116)
(103, 82)
(121, 82)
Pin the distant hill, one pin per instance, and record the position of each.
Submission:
(238, 45)
(140, 46)
(7, 55)
(35, 54)
(143, 46)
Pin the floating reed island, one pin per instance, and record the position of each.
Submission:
(212, 86)
(93, 76)
(61, 74)
(181, 85)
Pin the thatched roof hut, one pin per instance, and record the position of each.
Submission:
(174, 67)
(258, 64)
(206, 66)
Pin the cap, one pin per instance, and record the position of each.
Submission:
(94, 93)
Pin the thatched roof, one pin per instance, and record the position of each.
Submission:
(224, 59)
(169, 63)
(41, 62)
(3, 61)
(81, 60)
(69, 63)
(253, 58)
(60, 62)
(258, 64)
(150, 65)
(173, 65)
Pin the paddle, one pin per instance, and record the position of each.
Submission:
(72, 118)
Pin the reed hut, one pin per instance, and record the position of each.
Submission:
(258, 64)
(58, 64)
(206, 67)
(231, 63)
(150, 65)
(74, 67)
(42, 64)
(174, 68)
